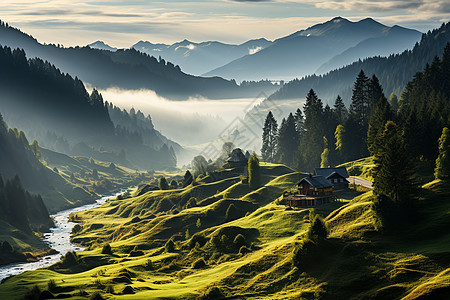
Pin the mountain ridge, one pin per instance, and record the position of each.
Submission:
(303, 52)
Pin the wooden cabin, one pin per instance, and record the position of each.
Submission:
(311, 191)
(337, 176)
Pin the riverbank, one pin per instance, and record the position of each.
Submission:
(57, 240)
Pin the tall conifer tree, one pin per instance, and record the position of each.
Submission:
(269, 138)
(442, 170)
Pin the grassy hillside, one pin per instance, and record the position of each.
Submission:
(239, 243)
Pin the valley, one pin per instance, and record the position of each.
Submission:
(219, 164)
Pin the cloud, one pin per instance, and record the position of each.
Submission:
(122, 23)
(254, 50)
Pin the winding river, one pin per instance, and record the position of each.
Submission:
(58, 238)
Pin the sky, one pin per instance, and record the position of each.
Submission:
(122, 23)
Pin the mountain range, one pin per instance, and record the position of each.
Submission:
(317, 49)
(320, 48)
(393, 72)
(129, 69)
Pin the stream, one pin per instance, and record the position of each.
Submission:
(58, 238)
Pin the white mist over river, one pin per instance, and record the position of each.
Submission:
(58, 238)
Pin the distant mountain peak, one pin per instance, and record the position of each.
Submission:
(337, 19)
(102, 46)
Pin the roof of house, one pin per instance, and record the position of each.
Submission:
(326, 172)
(317, 181)
(335, 175)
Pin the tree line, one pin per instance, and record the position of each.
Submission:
(396, 132)
(322, 135)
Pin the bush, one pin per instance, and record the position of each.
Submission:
(51, 285)
(303, 252)
(70, 259)
(239, 241)
(149, 265)
(96, 296)
(109, 289)
(197, 238)
(169, 246)
(213, 293)
(192, 202)
(33, 293)
(77, 228)
(318, 230)
(128, 290)
(232, 213)
(244, 250)
(107, 249)
(199, 263)
(6, 247)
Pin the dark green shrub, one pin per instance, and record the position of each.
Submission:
(197, 238)
(149, 265)
(51, 285)
(77, 228)
(318, 230)
(128, 290)
(199, 263)
(107, 249)
(96, 296)
(244, 250)
(70, 259)
(239, 241)
(46, 295)
(232, 213)
(303, 252)
(6, 247)
(213, 293)
(134, 253)
(33, 293)
(169, 246)
(109, 289)
(192, 202)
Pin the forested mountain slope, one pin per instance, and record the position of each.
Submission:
(127, 69)
(56, 109)
(394, 72)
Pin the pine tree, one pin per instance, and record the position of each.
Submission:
(393, 101)
(357, 122)
(187, 178)
(325, 162)
(340, 110)
(359, 106)
(311, 144)
(380, 115)
(36, 149)
(254, 176)
(299, 122)
(341, 147)
(442, 170)
(394, 167)
(162, 183)
(269, 138)
(287, 140)
(375, 92)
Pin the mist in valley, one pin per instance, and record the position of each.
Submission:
(199, 124)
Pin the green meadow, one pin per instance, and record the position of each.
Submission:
(216, 239)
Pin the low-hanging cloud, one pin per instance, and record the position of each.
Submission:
(191, 122)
